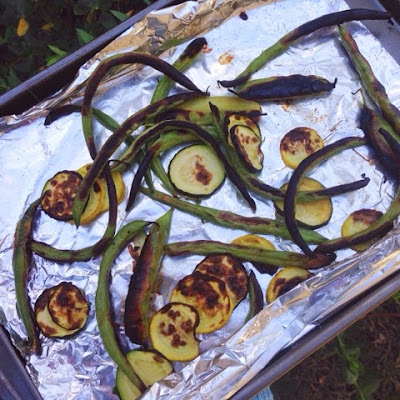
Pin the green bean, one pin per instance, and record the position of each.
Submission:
(256, 299)
(252, 254)
(373, 87)
(264, 226)
(104, 313)
(22, 260)
(290, 38)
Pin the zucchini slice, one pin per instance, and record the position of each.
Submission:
(285, 280)
(241, 119)
(309, 214)
(298, 144)
(68, 307)
(149, 365)
(59, 193)
(356, 222)
(230, 271)
(172, 332)
(258, 242)
(208, 295)
(248, 147)
(44, 320)
(196, 170)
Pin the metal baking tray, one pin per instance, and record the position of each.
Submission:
(15, 382)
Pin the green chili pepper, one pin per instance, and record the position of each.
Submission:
(104, 313)
(22, 260)
(245, 253)
(290, 38)
(264, 226)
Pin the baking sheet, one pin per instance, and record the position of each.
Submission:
(32, 153)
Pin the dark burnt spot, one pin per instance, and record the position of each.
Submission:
(226, 216)
(166, 308)
(296, 140)
(366, 216)
(202, 174)
(187, 326)
(158, 359)
(238, 285)
(283, 285)
(53, 182)
(243, 16)
(174, 314)
(171, 329)
(177, 342)
(96, 187)
(193, 48)
(46, 329)
(59, 207)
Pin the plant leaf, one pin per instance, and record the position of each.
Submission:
(56, 50)
(84, 36)
(119, 15)
(369, 382)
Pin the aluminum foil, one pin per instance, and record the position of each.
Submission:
(31, 153)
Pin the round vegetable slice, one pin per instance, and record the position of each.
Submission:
(298, 144)
(230, 271)
(311, 214)
(208, 295)
(234, 119)
(172, 332)
(59, 193)
(258, 242)
(68, 306)
(43, 318)
(357, 222)
(149, 365)
(285, 280)
(196, 170)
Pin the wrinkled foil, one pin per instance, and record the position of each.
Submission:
(31, 153)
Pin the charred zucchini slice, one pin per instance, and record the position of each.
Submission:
(59, 193)
(298, 144)
(196, 170)
(248, 147)
(285, 280)
(68, 307)
(258, 242)
(149, 365)
(230, 271)
(357, 222)
(208, 295)
(172, 332)
(310, 214)
(43, 318)
(240, 119)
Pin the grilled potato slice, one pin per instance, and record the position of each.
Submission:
(150, 367)
(285, 280)
(298, 144)
(259, 242)
(43, 318)
(68, 306)
(311, 214)
(172, 332)
(208, 295)
(59, 193)
(358, 221)
(230, 271)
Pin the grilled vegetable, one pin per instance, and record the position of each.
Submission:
(21, 261)
(198, 110)
(255, 297)
(259, 243)
(291, 37)
(285, 280)
(284, 87)
(230, 271)
(209, 296)
(310, 214)
(358, 221)
(44, 320)
(298, 174)
(149, 365)
(245, 253)
(172, 332)
(196, 170)
(104, 314)
(298, 144)
(68, 307)
(248, 146)
(263, 226)
(59, 193)
(240, 119)
(141, 285)
(373, 87)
